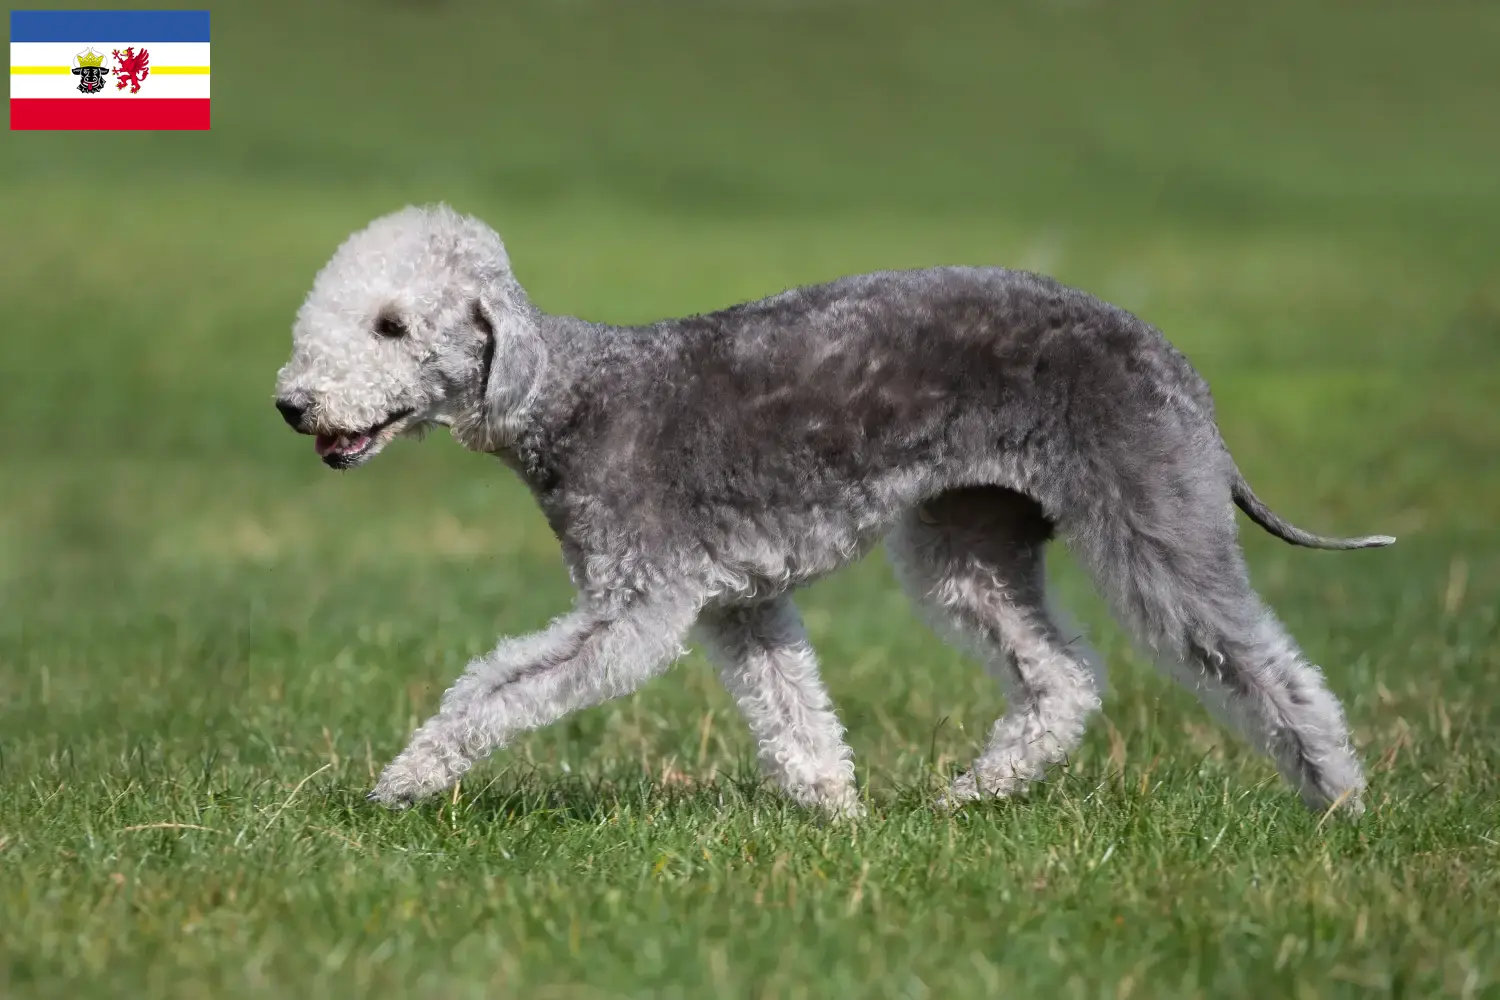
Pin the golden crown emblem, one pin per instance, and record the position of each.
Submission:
(90, 58)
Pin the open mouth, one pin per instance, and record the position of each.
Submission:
(346, 450)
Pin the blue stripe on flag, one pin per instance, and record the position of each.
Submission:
(84, 26)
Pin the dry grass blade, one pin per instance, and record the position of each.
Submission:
(282, 808)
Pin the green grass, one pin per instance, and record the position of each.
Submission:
(208, 644)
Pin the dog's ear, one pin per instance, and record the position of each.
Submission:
(511, 360)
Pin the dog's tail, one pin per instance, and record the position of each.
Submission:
(1246, 500)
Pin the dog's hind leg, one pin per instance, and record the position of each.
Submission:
(972, 559)
(584, 658)
(768, 666)
(1170, 563)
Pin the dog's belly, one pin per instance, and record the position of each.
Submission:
(754, 552)
(757, 573)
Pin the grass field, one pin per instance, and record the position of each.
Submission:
(209, 643)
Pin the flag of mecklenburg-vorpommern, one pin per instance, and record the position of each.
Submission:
(115, 69)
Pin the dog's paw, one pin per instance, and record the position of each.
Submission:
(968, 788)
(961, 791)
(1334, 786)
(389, 800)
(410, 778)
(395, 790)
(842, 806)
(834, 795)
(1346, 805)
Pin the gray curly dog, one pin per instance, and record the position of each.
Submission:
(697, 470)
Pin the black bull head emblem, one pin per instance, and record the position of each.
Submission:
(92, 78)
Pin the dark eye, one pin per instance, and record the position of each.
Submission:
(390, 327)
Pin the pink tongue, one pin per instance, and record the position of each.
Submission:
(339, 444)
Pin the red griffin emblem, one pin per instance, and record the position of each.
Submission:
(131, 68)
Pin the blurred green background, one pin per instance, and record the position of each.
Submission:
(196, 617)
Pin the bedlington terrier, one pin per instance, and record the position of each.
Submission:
(696, 471)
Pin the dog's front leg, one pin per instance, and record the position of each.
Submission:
(766, 663)
(598, 652)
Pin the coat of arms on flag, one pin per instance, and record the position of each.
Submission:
(89, 69)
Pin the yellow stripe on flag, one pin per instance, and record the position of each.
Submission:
(164, 70)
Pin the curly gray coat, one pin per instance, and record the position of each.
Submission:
(698, 470)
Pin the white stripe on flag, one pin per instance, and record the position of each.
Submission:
(62, 53)
(163, 55)
(39, 85)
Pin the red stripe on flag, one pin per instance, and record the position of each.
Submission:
(119, 113)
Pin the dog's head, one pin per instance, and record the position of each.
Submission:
(415, 321)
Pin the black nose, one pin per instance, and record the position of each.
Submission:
(291, 412)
